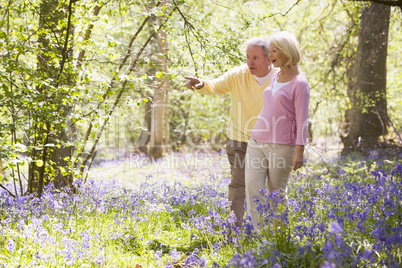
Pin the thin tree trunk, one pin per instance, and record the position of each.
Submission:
(87, 35)
(145, 133)
(160, 97)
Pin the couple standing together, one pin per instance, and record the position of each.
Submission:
(268, 120)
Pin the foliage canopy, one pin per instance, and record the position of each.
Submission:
(75, 75)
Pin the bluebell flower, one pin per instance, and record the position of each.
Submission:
(335, 227)
(174, 254)
(329, 250)
(10, 245)
(368, 254)
(328, 264)
(276, 265)
(6, 222)
(191, 212)
(248, 260)
(158, 254)
(100, 259)
(202, 262)
(191, 260)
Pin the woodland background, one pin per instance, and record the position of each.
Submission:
(87, 81)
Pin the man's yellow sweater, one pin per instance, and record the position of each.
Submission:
(246, 99)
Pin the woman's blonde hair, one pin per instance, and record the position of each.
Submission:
(288, 44)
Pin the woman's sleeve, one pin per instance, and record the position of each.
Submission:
(302, 100)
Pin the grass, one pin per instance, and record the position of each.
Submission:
(174, 213)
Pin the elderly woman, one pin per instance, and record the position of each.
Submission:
(279, 135)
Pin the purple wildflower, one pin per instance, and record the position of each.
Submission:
(10, 245)
(328, 264)
(335, 228)
(191, 212)
(174, 254)
(276, 265)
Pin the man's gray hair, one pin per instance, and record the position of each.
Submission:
(261, 42)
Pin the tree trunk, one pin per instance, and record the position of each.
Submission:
(53, 137)
(160, 97)
(144, 137)
(367, 118)
(2, 173)
(61, 158)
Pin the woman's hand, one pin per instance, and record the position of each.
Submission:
(298, 157)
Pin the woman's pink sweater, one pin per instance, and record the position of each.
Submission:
(284, 115)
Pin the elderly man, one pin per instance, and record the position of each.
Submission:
(246, 84)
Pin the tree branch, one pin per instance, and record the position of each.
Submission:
(395, 3)
(8, 191)
(295, 4)
(322, 158)
(65, 47)
(191, 29)
(395, 129)
(87, 36)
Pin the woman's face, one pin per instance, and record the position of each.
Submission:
(278, 58)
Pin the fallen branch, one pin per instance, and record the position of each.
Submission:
(8, 191)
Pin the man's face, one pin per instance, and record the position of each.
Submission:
(257, 63)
